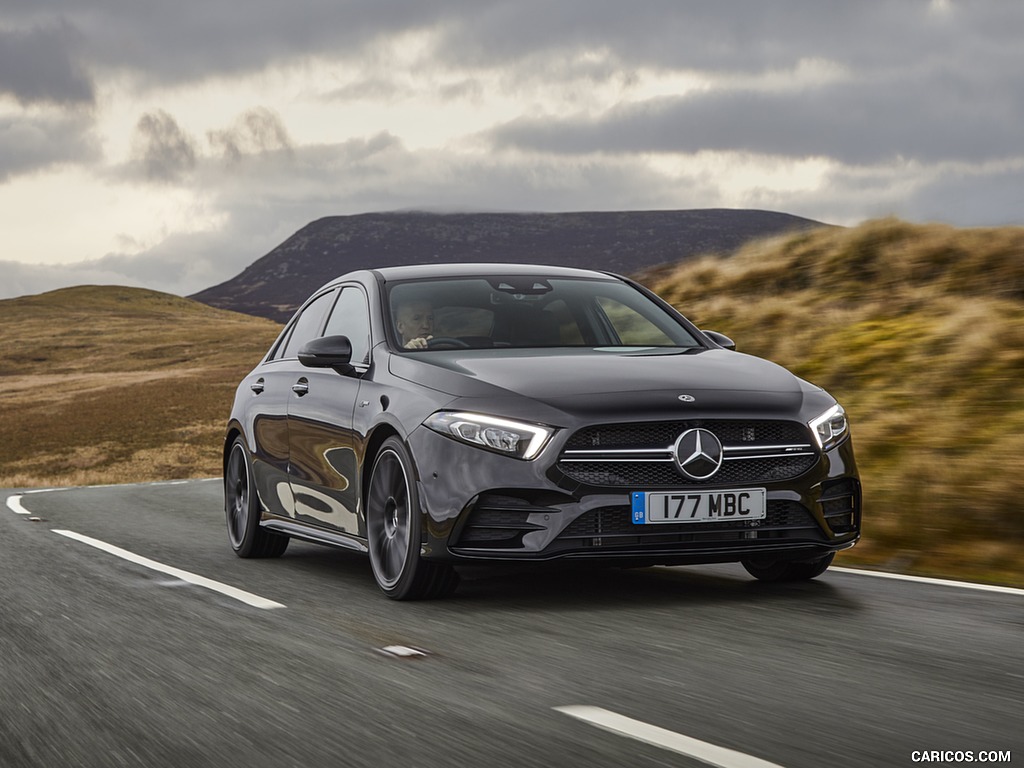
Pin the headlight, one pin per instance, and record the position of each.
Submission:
(830, 427)
(513, 438)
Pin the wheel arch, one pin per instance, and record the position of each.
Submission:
(375, 440)
(234, 431)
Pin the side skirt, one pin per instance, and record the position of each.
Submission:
(316, 535)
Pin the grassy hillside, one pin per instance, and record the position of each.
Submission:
(919, 332)
(109, 385)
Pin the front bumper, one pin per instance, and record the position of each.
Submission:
(478, 505)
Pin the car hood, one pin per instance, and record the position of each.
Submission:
(591, 381)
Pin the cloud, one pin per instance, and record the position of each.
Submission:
(943, 115)
(40, 65)
(257, 131)
(161, 150)
(31, 143)
(194, 40)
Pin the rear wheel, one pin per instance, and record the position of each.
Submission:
(393, 531)
(241, 508)
(788, 570)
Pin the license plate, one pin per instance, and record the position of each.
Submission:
(698, 506)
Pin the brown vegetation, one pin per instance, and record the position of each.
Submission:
(113, 385)
(919, 332)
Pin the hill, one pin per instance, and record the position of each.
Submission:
(109, 384)
(919, 332)
(623, 242)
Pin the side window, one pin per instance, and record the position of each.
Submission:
(632, 328)
(351, 318)
(307, 325)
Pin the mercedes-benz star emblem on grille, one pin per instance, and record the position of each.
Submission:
(698, 453)
(687, 398)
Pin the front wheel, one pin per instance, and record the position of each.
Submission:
(393, 531)
(788, 570)
(241, 507)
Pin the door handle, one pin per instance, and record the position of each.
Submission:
(300, 387)
(257, 386)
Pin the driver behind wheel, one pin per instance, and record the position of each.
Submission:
(414, 321)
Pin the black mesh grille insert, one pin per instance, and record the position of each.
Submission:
(839, 506)
(649, 474)
(499, 521)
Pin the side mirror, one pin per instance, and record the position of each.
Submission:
(327, 352)
(719, 338)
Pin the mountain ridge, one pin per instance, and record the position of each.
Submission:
(625, 242)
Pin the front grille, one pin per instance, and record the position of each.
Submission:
(755, 452)
(651, 474)
(613, 526)
(659, 434)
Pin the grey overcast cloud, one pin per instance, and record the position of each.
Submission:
(169, 145)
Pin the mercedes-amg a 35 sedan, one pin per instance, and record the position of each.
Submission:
(444, 414)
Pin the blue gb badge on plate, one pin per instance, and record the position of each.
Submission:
(639, 508)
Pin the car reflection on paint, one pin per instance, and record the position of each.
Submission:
(436, 415)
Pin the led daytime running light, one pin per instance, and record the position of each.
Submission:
(830, 427)
(503, 435)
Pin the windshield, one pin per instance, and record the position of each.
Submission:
(524, 312)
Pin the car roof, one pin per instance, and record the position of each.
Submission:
(470, 269)
(420, 271)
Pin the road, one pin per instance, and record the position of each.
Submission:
(105, 661)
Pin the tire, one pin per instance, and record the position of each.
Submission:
(242, 511)
(394, 528)
(788, 570)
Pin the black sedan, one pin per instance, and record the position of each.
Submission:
(445, 414)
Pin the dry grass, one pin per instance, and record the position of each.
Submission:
(919, 332)
(111, 385)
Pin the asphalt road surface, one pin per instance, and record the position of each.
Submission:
(114, 651)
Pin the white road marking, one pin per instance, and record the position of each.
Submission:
(660, 737)
(928, 580)
(402, 651)
(14, 504)
(200, 581)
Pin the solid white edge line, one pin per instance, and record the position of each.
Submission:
(125, 485)
(929, 580)
(200, 581)
(660, 737)
(14, 504)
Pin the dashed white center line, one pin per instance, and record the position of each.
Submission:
(200, 581)
(661, 737)
(14, 504)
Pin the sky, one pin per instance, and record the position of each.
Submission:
(170, 145)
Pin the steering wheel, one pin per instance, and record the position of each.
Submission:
(446, 341)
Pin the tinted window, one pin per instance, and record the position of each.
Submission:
(350, 317)
(306, 326)
(632, 328)
(527, 312)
